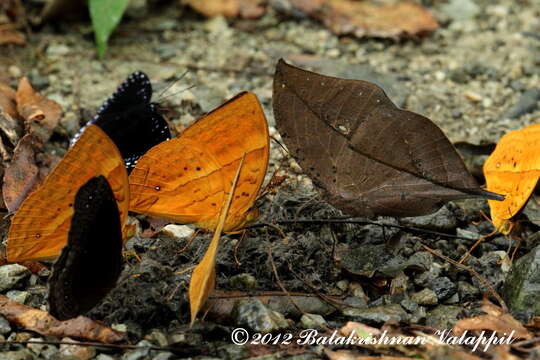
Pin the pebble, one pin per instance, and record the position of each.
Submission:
(243, 281)
(23, 354)
(312, 321)
(79, 352)
(520, 290)
(467, 291)
(18, 296)
(12, 275)
(140, 354)
(527, 103)
(5, 327)
(443, 287)
(177, 231)
(425, 297)
(46, 351)
(378, 314)
(15, 71)
(474, 97)
(442, 220)
(460, 10)
(103, 357)
(255, 315)
(443, 316)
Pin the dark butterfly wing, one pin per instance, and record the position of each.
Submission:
(90, 263)
(131, 120)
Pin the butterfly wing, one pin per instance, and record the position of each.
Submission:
(39, 229)
(91, 262)
(186, 179)
(130, 120)
(513, 170)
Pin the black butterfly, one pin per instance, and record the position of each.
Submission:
(131, 120)
(91, 261)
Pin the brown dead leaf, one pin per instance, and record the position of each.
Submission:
(43, 323)
(9, 35)
(246, 9)
(10, 123)
(494, 319)
(22, 174)
(367, 18)
(40, 114)
(203, 278)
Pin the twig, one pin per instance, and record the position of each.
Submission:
(359, 222)
(473, 273)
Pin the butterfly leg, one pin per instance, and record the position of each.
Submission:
(235, 252)
(189, 242)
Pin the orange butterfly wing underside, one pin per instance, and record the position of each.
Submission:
(39, 229)
(186, 179)
(513, 170)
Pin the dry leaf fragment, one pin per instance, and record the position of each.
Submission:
(43, 323)
(40, 114)
(369, 18)
(9, 35)
(203, 279)
(494, 319)
(246, 9)
(10, 123)
(22, 174)
(513, 170)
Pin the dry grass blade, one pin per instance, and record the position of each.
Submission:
(203, 279)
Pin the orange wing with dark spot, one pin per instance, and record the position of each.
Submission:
(39, 229)
(513, 170)
(186, 179)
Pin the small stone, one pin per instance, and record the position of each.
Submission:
(312, 321)
(443, 220)
(467, 234)
(79, 352)
(119, 327)
(18, 296)
(521, 288)
(454, 299)
(177, 231)
(409, 304)
(425, 297)
(103, 357)
(342, 285)
(467, 291)
(474, 97)
(456, 114)
(255, 315)
(243, 282)
(527, 103)
(358, 291)
(157, 337)
(14, 71)
(140, 354)
(44, 350)
(217, 25)
(164, 356)
(12, 275)
(23, 354)
(57, 50)
(378, 314)
(443, 316)
(185, 339)
(460, 10)
(5, 327)
(443, 287)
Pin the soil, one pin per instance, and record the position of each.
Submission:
(468, 77)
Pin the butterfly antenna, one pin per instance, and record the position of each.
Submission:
(160, 96)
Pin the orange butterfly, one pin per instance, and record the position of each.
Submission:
(513, 170)
(39, 230)
(187, 179)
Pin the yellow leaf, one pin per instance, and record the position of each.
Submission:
(513, 170)
(203, 279)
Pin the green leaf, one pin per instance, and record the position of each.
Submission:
(105, 15)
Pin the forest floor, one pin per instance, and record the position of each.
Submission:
(472, 77)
